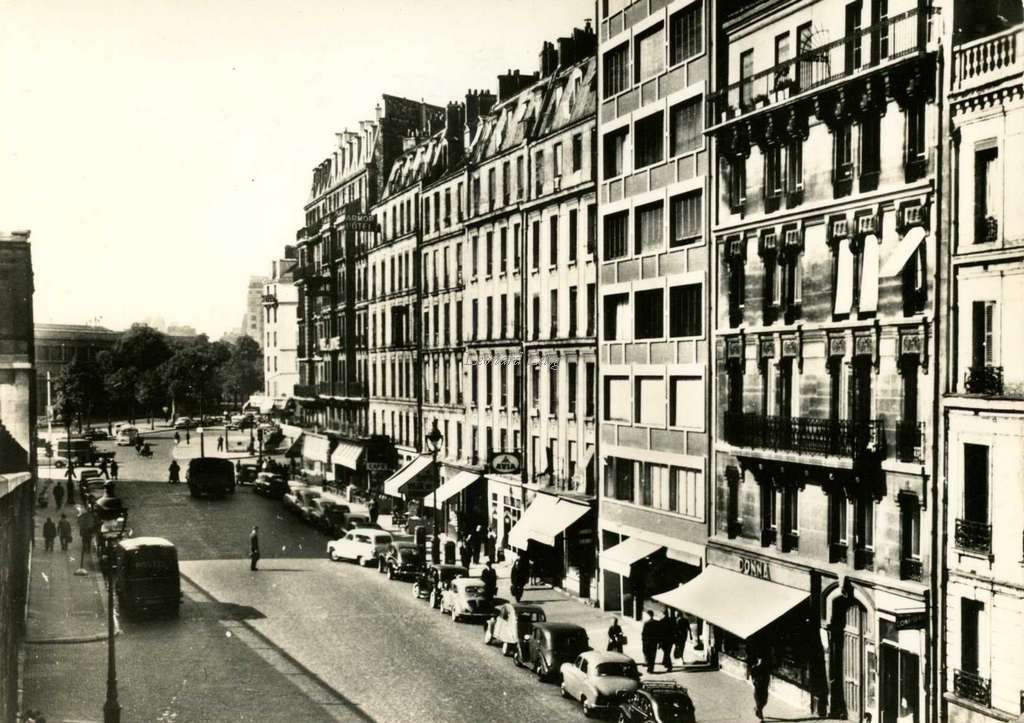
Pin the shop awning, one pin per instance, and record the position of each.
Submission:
(844, 278)
(897, 604)
(741, 604)
(545, 519)
(316, 447)
(295, 448)
(869, 275)
(347, 454)
(621, 558)
(455, 485)
(396, 484)
(904, 250)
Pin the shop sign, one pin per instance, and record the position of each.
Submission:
(505, 463)
(377, 467)
(360, 222)
(755, 568)
(417, 487)
(909, 621)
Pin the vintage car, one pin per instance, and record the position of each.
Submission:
(550, 645)
(403, 559)
(246, 472)
(360, 545)
(599, 679)
(465, 598)
(658, 702)
(292, 497)
(270, 485)
(434, 580)
(146, 575)
(511, 624)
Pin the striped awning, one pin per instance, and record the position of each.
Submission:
(455, 485)
(347, 454)
(397, 484)
(545, 519)
(316, 447)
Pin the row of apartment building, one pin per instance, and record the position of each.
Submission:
(735, 284)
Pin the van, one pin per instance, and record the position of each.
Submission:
(147, 575)
(210, 476)
(126, 436)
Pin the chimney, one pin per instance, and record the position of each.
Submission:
(566, 52)
(585, 41)
(512, 83)
(472, 114)
(409, 140)
(454, 122)
(487, 101)
(548, 59)
(378, 112)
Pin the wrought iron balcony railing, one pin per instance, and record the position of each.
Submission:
(972, 687)
(987, 60)
(986, 380)
(305, 391)
(911, 569)
(973, 536)
(875, 45)
(841, 437)
(910, 441)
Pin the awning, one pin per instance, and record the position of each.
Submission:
(455, 485)
(545, 518)
(844, 278)
(283, 404)
(869, 275)
(396, 484)
(295, 448)
(903, 251)
(316, 447)
(741, 604)
(621, 557)
(897, 604)
(347, 454)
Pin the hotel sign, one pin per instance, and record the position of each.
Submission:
(755, 568)
(360, 222)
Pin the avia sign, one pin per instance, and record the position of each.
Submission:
(506, 463)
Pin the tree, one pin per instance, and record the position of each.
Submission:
(78, 389)
(243, 372)
(192, 374)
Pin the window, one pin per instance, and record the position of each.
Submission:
(617, 320)
(573, 234)
(573, 310)
(553, 390)
(984, 334)
(976, 483)
(553, 241)
(806, 64)
(590, 370)
(519, 177)
(772, 178)
(686, 33)
(915, 161)
(592, 228)
(910, 528)
(617, 399)
(649, 59)
(535, 257)
(842, 162)
(864, 538)
(615, 152)
(837, 526)
(686, 402)
(515, 248)
(772, 292)
(879, 30)
(447, 207)
(986, 195)
(685, 309)
(746, 79)
(790, 517)
(503, 328)
(616, 233)
(970, 619)
(620, 476)
(781, 52)
(577, 152)
(556, 157)
(475, 325)
(553, 313)
(649, 237)
(686, 126)
(536, 316)
(572, 391)
(506, 182)
(489, 328)
(591, 308)
(538, 173)
(503, 249)
(649, 401)
(535, 386)
(473, 382)
(649, 140)
(517, 317)
(737, 281)
(736, 175)
(458, 322)
(794, 170)
(490, 253)
(870, 151)
(616, 70)
(767, 509)
(475, 242)
(649, 306)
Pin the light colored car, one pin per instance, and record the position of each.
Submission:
(511, 624)
(361, 545)
(182, 423)
(126, 436)
(464, 598)
(599, 679)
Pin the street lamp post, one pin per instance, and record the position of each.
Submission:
(434, 442)
(114, 516)
(202, 447)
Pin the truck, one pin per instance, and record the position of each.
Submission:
(80, 451)
(210, 476)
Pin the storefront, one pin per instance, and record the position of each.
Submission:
(505, 504)
(556, 533)
(316, 456)
(348, 468)
(463, 498)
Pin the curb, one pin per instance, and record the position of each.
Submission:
(343, 699)
(73, 641)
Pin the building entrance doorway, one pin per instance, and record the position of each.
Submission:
(854, 632)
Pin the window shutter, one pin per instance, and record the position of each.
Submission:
(991, 334)
(798, 278)
(776, 270)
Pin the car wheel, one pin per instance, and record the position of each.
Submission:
(434, 602)
(542, 670)
(588, 710)
(488, 635)
(390, 573)
(506, 649)
(359, 560)
(334, 555)
(517, 659)
(561, 689)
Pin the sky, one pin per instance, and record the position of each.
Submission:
(161, 151)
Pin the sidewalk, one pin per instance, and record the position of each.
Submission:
(238, 449)
(716, 695)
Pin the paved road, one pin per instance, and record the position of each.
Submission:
(344, 641)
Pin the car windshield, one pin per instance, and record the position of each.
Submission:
(672, 707)
(532, 617)
(382, 539)
(622, 670)
(473, 589)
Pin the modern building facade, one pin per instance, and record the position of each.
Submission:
(280, 331)
(826, 131)
(653, 297)
(983, 405)
(253, 322)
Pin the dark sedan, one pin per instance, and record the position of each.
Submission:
(403, 559)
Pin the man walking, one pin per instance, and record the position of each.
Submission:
(64, 530)
(177, 439)
(113, 469)
(760, 674)
(103, 468)
(220, 444)
(372, 509)
(188, 437)
(70, 474)
(58, 495)
(649, 635)
(86, 530)
(70, 496)
(49, 533)
(172, 472)
(668, 638)
(490, 580)
(254, 547)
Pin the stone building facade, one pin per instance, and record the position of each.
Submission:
(280, 332)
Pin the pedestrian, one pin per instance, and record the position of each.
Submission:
(616, 638)
(113, 469)
(506, 526)
(372, 509)
(465, 552)
(64, 531)
(254, 547)
(177, 439)
(49, 533)
(650, 633)
(172, 472)
(682, 634)
(58, 495)
(188, 437)
(668, 639)
(70, 474)
(220, 444)
(760, 673)
(478, 542)
(86, 530)
(519, 575)
(103, 468)
(490, 580)
(491, 542)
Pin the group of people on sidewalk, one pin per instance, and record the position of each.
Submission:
(665, 634)
(61, 529)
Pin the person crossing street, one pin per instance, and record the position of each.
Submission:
(254, 547)
(173, 471)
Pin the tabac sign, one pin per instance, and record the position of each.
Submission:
(505, 463)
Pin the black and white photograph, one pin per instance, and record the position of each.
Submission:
(511, 361)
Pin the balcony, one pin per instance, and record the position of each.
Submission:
(875, 46)
(971, 536)
(987, 60)
(985, 380)
(973, 687)
(304, 391)
(911, 569)
(910, 441)
(863, 559)
(842, 437)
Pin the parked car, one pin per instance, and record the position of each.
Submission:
(335, 517)
(307, 499)
(246, 472)
(550, 645)
(356, 519)
(511, 624)
(147, 575)
(465, 598)
(599, 679)
(434, 580)
(403, 559)
(658, 702)
(126, 436)
(182, 423)
(361, 545)
(88, 473)
(291, 498)
(210, 476)
(96, 433)
(270, 485)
